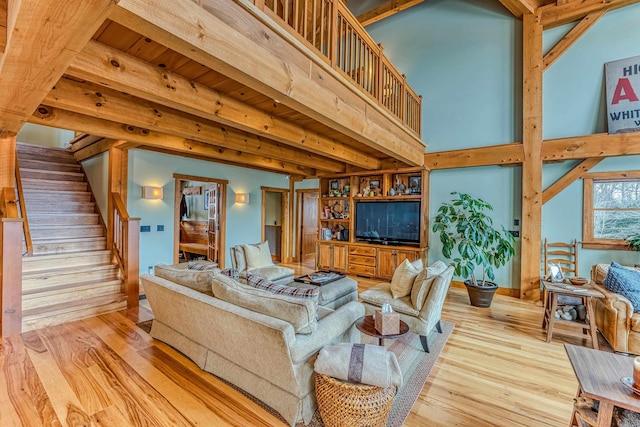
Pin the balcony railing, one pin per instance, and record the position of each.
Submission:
(330, 28)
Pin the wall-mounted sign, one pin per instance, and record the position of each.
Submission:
(623, 95)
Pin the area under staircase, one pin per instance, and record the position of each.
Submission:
(71, 274)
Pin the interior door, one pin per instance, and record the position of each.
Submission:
(213, 223)
(309, 226)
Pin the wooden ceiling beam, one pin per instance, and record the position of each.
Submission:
(385, 10)
(571, 37)
(97, 101)
(55, 117)
(597, 145)
(518, 8)
(110, 67)
(506, 154)
(46, 35)
(568, 178)
(274, 63)
(556, 14)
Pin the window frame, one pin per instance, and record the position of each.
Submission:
(588, 239)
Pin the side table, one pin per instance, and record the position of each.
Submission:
(551, 292)
(366, 325)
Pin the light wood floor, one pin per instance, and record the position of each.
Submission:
(496, 370)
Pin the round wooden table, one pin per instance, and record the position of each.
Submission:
(366, 325)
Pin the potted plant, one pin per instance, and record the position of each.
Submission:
(470, 240)
(633, 242)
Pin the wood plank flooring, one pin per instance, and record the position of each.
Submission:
(496, 370)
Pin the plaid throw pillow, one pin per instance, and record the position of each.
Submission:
(267, 285)
(231, 272)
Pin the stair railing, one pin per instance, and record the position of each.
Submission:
(125, 238)
(329, 28)
(23, 211)
(11, 266)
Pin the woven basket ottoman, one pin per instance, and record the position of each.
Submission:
(344, 404)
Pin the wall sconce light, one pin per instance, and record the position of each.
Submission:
(242, 198)
(149, 192)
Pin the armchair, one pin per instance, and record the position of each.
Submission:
(422, 307)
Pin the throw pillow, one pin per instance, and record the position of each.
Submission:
(258, 255)
(300, 313)
(231, 272)
(624, 281)
(402, 279)
(267, 285)
(423, 282)
(194, 279)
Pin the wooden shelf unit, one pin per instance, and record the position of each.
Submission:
(339, 195)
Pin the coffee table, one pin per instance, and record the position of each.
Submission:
(366, 325)
(599, 375)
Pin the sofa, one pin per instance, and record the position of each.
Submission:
(256, 259)
(615, 318)
(261, 342)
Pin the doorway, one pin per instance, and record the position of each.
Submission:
(275, 222)
(307, 208)
(199, 219)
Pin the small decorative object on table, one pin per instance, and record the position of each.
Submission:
(577, 281)
(386, 321)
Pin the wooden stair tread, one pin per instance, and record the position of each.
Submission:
(60, 256)
(43, 262)
(52, 173)
(49, 165)
(75, 305)
(69, 270)
(68, 239)
(70, 286)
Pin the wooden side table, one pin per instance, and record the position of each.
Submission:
(599, 374)
(551, 292)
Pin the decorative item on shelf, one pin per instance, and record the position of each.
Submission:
(366, 191)
(400, 188)
(347, 190)
(392, 192)
(333, 185)
(325, 233)
(336, 231)
(415, 184)
(327, 212)
(386, 321)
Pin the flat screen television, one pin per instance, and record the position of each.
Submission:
(388, 222)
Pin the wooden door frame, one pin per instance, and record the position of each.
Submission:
(285, 253)
(298, 215)
(178, 178)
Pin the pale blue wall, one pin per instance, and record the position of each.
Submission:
(45, 135)
(464, 57)
(149, 168)
(97, 170)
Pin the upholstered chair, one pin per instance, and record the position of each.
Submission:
(421, 308)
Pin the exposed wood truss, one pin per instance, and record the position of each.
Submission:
(571, 37)
(50, 116)
(273, 68)
(103, 65)
(520, 7)
(597, 145)
(385, 10)
(506, 154)
(45, 38)
(555, 14)
(568, 178)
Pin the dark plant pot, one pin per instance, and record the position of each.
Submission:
(481, 296)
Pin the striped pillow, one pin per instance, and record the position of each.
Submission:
(267, 285)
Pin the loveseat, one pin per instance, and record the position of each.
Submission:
(614, 314)
(261, 342)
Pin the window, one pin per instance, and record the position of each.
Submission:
(611, 209)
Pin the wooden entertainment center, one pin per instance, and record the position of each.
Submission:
(338, 247)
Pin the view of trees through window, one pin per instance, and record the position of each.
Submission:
(616, 209)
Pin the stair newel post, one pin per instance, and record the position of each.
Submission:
(11, 275)
(131, 284)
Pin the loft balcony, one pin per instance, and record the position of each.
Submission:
(295, 87)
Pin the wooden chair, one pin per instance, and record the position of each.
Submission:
(564, 254)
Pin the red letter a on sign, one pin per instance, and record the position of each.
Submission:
(624, 91)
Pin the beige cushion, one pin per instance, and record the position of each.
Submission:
(257, 256)
(273, 272)
(299, 312)
(379, 294)
(403, 279)
(194, 279)
(238, 260)
(422, 283)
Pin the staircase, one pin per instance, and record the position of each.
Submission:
(71, 274)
